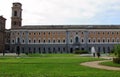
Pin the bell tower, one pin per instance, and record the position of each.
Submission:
(16, 19)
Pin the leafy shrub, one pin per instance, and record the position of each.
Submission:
(117, 54)
(116, 60)
(117, 50)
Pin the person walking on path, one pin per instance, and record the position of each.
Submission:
(93, 51)
(98, 54)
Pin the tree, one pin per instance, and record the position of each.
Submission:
(117, 50)
(117, 53)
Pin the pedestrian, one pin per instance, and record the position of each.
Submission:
(93, 51)
(98, 54)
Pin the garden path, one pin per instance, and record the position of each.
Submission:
(96, 64)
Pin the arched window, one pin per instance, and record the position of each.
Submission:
(15, 13)
(48, 41)
(82, 40)
(76, 39)
(39, 41)
(58, 41)
(34, 41)
(103, 40)
(98, 40)
(113, 40)
(89, 40)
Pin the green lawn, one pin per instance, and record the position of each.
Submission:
(51, 66)
(110, 63)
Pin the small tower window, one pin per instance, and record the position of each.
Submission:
(15, 13)
(14, 22)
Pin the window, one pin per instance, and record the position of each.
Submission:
(108, 40)
(14, 23)
(112, 32)
(23, 41)
(49, 33)
(58, 49)
(117, 40)
(44, 49)
(104, 49)
(82, 40)
(13, 41)
(63, 49)
(58, 41)
(49, 49)
(98, 32)
(99, 49)
(113, 40)
(94, 40)
(63, 41)
(18, 40)
(76, 39)
(34, 50)
(71, 40)
(103, 40)
(82, 32)
(34, 41)
(82, 48)
(23, 33)
(108, 49)
(39, 50)
(76, 32)
(48, 41)
(117, 33)
(103, 33)
(15, 13)
(39, 41)
(44, 41)
(23, 49)
(13, 33)
(89, 41)
(98, 40)
(53, 49)
(89, 48)
(53, 41)
(44, 33)
(29, 41)
(29, 49)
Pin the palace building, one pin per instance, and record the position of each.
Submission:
(2, 33)
(58, 38)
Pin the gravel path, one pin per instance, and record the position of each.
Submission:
(95, 64)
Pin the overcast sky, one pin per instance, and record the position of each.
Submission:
(53, 12)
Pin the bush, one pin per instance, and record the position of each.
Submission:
(117, 50)
(116, 60)
(80, 52)
(117, 54)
